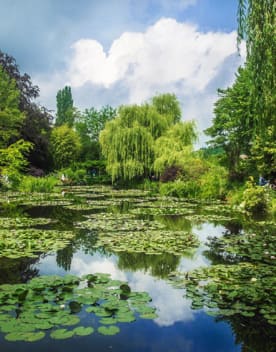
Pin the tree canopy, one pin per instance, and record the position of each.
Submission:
(64, 146)
(128, 142)
(11, 118)
(65, 107)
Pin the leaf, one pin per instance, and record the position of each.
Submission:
(110, 330)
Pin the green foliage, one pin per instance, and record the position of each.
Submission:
(167, 104)
(213, 183)
(64, 145)
(11, 118)
(232, 128)
(65, 108)
(180, 189)
(75, 176)
(255, 198)
(35, 127)
(128, 142)
(46, 303)
(174, 147)
(89, 124)
(37, 184)
(12, 161)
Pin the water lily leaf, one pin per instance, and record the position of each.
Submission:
(108, 330)
(83, 331)
(61, 334)
(25, 336)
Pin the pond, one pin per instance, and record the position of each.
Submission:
(94, 268)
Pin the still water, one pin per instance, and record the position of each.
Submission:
(178, 327)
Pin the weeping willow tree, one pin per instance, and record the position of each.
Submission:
(127, 142)
(257, 26)
(175, 146)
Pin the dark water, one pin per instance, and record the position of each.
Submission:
(178, 327)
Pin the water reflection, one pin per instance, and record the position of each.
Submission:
(186, 329)
(15, 271)
(156, 265)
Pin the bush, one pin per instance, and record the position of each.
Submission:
(213, 183)
(180, 189)
(37, 184)
(255, 199)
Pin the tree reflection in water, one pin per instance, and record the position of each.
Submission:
(14, 271)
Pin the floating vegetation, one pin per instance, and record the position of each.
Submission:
(260, 247)
(148, 241)
(222, 290)
(119, 223)
(30, 242)
(22, 222)
(124, 233)
(52, 303)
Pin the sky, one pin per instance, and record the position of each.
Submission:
(125, 51)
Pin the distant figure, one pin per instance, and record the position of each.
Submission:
(262, 181)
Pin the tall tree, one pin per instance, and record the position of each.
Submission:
(64, 146)
(89, 124)
(11, 118)
(37, 123)
(174, 147)
(127, 142)
(65, 108)
(233, 124)
(257, 25)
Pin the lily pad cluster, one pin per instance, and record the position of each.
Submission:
(225, 290)
(55, 305)
(123, 233)
(22, 222)
(16, 243)
(255, 247)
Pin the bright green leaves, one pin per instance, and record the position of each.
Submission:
(30, 242)
(128, 141)
(11, 118)
(51, 303)
(64, 145)
(110, 330)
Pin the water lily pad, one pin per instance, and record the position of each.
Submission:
(83, 331)
(108, 330)
(61, 334)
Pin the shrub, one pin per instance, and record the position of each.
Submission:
(37, 184)
(255, 199)
(180, 189)
(213, 183)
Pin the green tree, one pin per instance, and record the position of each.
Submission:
(174, 148)
(64, 146)
(65, 108)
(233, 124)
(167, 104)
(35, 128)
(11, 118)
(13, 160)
(89, 124)
(257, 25)
(127, 142)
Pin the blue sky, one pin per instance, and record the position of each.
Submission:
(125, 51)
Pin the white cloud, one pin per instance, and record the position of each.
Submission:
(166, 53)
(168, 57)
